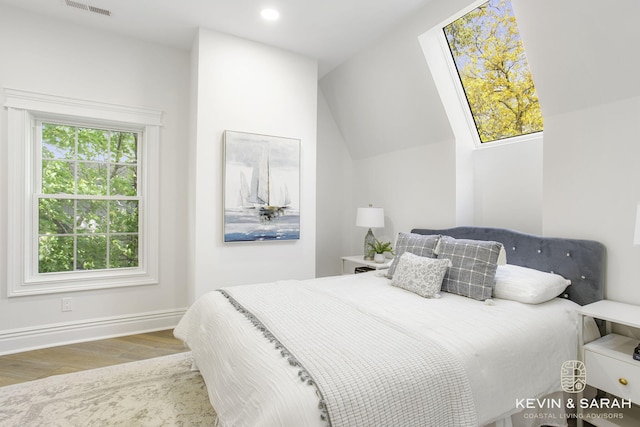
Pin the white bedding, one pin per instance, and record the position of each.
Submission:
(509, 350)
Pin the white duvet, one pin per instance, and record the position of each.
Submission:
(509, 350)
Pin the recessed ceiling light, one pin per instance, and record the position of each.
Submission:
(270, 14)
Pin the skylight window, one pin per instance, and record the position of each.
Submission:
(491, 63)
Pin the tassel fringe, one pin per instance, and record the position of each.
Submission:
(284, 352)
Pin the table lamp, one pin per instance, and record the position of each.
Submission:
(369, 217)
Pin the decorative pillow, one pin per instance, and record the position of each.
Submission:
(417, 244)
(502, 258)
(527, 285)
(473, 270)
(420, 275)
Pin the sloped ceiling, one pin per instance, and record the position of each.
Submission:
(384, 98)
(581, 53)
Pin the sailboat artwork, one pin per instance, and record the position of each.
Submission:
(262, 187)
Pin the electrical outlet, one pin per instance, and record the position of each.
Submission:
(66, 304)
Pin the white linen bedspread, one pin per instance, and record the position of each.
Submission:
(509, 350)
(362, 368)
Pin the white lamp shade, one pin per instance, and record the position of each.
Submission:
(370, 217)
(636, 235)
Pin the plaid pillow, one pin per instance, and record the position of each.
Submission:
(473, 270)
(417, 244)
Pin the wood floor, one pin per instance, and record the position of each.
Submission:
(31, 365)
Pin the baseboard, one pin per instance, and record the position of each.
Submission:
(33, 338)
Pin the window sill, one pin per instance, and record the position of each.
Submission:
(532, 137)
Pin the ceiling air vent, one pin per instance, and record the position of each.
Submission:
(87, 7)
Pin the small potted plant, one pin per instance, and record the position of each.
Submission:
(379, 248)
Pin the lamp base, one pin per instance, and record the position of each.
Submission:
(369, 240)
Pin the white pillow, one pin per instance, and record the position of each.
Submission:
(420, 275)
(527, 285)
(502, 258)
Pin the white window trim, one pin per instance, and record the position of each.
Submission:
(23, 108)
(443, 70)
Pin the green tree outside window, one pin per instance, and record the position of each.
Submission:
(88, 206)
(492, 66)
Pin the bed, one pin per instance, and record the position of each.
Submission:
(362, 350)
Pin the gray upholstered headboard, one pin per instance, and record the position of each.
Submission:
(581, 261)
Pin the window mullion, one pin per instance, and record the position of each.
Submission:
(108, 219)
(75, 234)
(86, 197)
(75, 200)
(36, 189)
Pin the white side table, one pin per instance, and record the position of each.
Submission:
(610, 366)
(359, 260)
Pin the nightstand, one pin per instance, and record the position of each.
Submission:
(359, 260)
(610, 366)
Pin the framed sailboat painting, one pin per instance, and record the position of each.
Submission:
(261, 187)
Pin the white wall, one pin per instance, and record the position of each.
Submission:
(508, 186)
(586, 74)
(592, 186)
(61, 59)
(250, 87)
(334, 192)
(415, 186)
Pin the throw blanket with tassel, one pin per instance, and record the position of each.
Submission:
(366, 372)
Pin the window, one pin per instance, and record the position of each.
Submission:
(88, 198)
(82, 195)
(492, 66)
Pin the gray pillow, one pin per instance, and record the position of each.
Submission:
(417, 244)
(473, 266)
(420, 275)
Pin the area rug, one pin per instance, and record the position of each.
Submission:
(163, 391)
